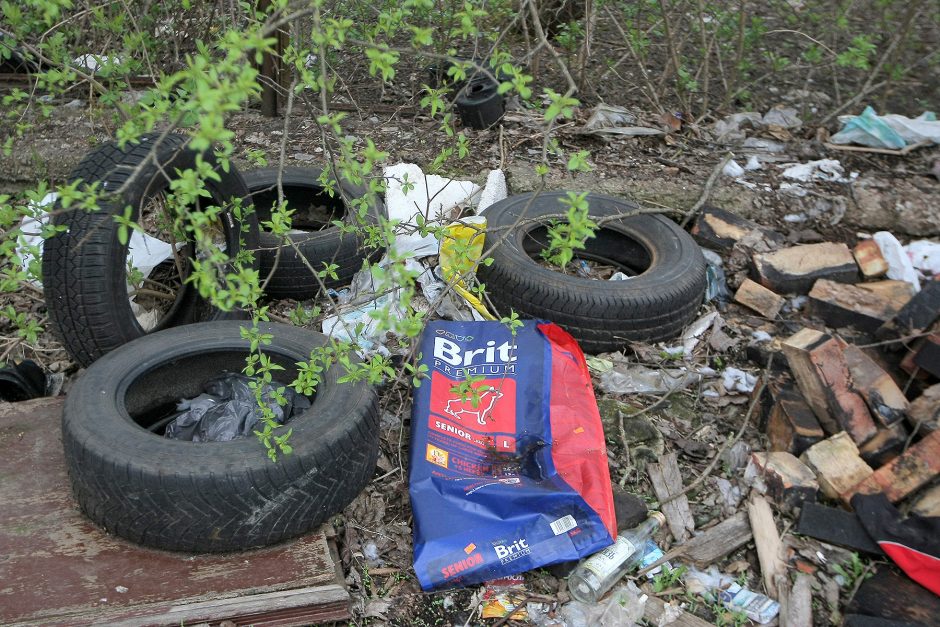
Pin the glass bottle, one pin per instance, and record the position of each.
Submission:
(598, 573)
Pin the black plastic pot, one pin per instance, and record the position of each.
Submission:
(480, 104)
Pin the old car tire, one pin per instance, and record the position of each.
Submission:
(662, 296)
(83, 268)
(327, 244)
(213, 496)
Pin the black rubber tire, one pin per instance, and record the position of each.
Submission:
(652, 306)
(83, 268)
(292, 277)
(216, 496)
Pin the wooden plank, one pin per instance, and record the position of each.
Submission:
(796, 269)
(767, 541)
(818, 364)
(837, 464)
(717, 542)
(799, 604)
(655, 607)
(667, 481)
(906, 473)
(303, 606)
(894, 596)
(857, 620)
(63, 570)
(836, 526)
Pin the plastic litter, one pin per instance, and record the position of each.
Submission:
(732, 169)
(635, 379)
(785, 117)
(717, 282)
(375, 293)
(608, 119)
(505, 597)
(821, 170)
(718, 586)
(144, 252)
(730, 128)
(753, 163)
(890, 131)
(227, 409)
(461, 248)
(736, 380)
(900, 266)
(765, 147)
(925, 256)
(449, 305)
(624, 606)
(494, 190)
(694, 332)
(508, 466)
(410, 193)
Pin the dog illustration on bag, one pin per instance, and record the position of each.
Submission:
(481, 410)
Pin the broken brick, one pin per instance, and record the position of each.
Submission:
(792, 426)
(787, 479)
(896, 292)
(720, 230)
(819, 367)
(906, 473)
(757, 297)
(837, 464)
(883, 396)
(916, 316)
(887, 444)
(869, 258)
(928, 503)
(927, 355)
(796, 269)
(844, 305)
(923, 414)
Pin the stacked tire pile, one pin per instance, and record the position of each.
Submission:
(149, 340)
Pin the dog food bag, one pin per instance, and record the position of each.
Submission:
(508, 467)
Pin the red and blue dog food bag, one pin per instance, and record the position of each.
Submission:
(508, 466)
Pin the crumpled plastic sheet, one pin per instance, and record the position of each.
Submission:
(228, 410)
(622, 607)
(640, 379)
(890, 131)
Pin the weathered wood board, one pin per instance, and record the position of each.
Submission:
(58, 568)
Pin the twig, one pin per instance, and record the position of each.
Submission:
(881, 151)
(706, 191)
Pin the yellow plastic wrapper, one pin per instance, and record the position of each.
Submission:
(461, 249)
(505, 597)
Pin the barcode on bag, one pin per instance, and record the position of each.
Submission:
(563, 524)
